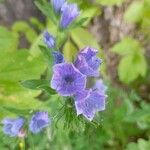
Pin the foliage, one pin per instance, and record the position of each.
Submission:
(133, 62)
(109, 2)
(16, 66)
(140, 145)
(138, 12)
(126, 122)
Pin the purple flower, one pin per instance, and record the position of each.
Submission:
(87, 62)
(100, 87)
(69, 14)
(12, 127)
(39, 121)
(58, 57)
(67, 80)
(49, 40)
(57, 4)
(88, 102)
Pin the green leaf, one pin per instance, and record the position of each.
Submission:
(127, 71)
(47, 9)
(17, 65)
(37, 23)
(23, 27)
(127, 46)
(8, 40)
(47, 54)
(69, 51)
(142, 144)
(130, 67)
(109, 2)
(38, 85)
(83, 38)
(17, 111)
(78, 23)
(134, 13)
(89, 11)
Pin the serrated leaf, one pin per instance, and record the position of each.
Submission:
(134, 13)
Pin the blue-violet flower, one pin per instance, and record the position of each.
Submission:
(12, 127)
(57, 4)
(87, 62)
(58, 57)
(67, 80)
(39, 121)
(49, 40)
(69, 14)
(88, 102)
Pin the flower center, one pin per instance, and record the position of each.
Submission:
(69, 79)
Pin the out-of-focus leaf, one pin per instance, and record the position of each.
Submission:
(46, 9)
(8, 40)
(127, 46)
(23, 27)
(14, 67)
(83, 38)
(109, 2)
(142, 144)
(35, 22)
(134, 13)
(69, 51)
(130, 67)
(89, 11)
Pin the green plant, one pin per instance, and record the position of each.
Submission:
(133, 62)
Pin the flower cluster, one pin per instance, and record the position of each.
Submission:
(15, 127)
(70, 79)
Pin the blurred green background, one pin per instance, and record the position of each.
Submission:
(120, 29)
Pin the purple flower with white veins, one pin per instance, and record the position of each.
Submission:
(67, 80)
(57, 4)
(88, 102)
(69, 13)
(39, 121)
(49, 40)
(87, 62)
(12, 127)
